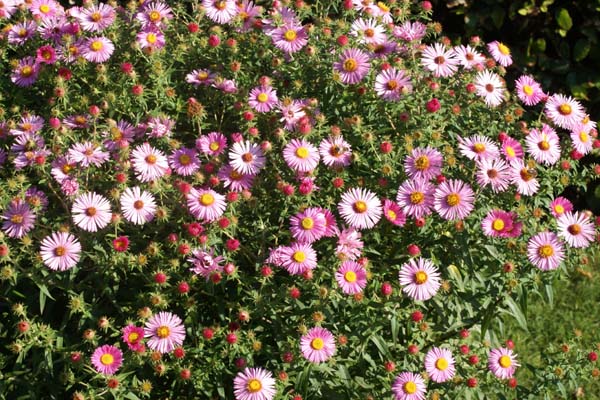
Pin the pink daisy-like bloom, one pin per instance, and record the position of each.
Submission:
(308, 226)
(335, 152)
(349, 246)
(410, 31)
(383, 50)
(184, 161)
(524, 178)
(200, 77)
(148, 163)
(528, 90)
(500, 53)
(62, 167)
(45, 8)
(60, 251)
(8, 8)
(512, 149)
(352, 66)
(77, 121)
(97, 49)
(292, 112)
(468, 57)
(560, 206)
(409, 386)
(87, 153)
(26, 72)
(246, 157)
(439, 364)
(393, 212)
(423, 163)
(133, 336)
(46, 55)
(298, 257)
(368, 31)
(205, 263)
(360, 208)
(212, 144)
(439, 60)
(317, 345)
(415, 196)
(220, 11)
(107, 359)
(301, 155)
(18, 219)
(453, 199)
(391, 84)
(351, 277)
(331, 228)
(19, 34)
(493, 172)
(499, 223)
(119, 136)
(254, 384)
(545, 251)
(225, 85)
(138, 206)
(543, 145)
(289, 38)
(234, 180)
(563, 111)
(166, 332)
(206, 204)
(420, 279)
(477, 147)
(154, 14)
(576, 229)
(263, 98)
(160, 126)
(96, 17)
(91, 212)
(581, 138)
(248, 13)
(28, 124)
(489, 86)
(151, 38)
(502, 362)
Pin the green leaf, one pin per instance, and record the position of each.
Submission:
(564, 19)
(381, 346)
(131, 396)
(516, 312)
(581, 49)
(498, 17)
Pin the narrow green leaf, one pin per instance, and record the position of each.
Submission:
(564, 19)
(381, 346)
(516, 312)
(581, 49)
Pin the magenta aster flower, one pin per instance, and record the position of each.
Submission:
(263, 98)
(45, 55)
(60, 251)
(317, 345)
(499, 223)
(246, 157)
(409, 386)
(352, 66)
(512, 149)
(96, 17)
(500, 53)
(524, 178)
(91, 212)
(205, 263)
(220, 11)
(423, 163)
(439, 60)
(468, 57)
(19, 34)
(235, 180)
(119, 136)
(368, 31)
(477, 147)
(200, 77)
(335, 152)
(360, 208)
(564, 111)
(301, 155)
(576, 229)
(133, 336)
(439, 364)
(151, 38)
(415, 196)
(206, 204)
(529, 91)
(493, 172)
(18, 219)
(545, 251)
(184, 161)
(393, 213)
(502, 362)
(351, 277)
(212, 144)
(289, 38)
(86, 154)
(248, 13)
(107, 359)
(298, 257)
(581, 138)
(349, 245)
(137, 206)
(560, 206)
(148, 163)
(453, 199)
(420, 279)
(308, 226)
(410, 30)
(166, 332)
(97, 49)
(45, 8)
(391, 84)
(489, 86)
(543, 145)
(154, 14)
(254, 384)
(26, 72)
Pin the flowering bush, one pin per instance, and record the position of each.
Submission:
(223, 200)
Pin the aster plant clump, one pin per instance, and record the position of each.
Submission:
(275, 200)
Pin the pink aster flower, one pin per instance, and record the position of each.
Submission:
(133, 336)
(477, 147)
(410, 31)
(289, 38)
(468, 57)
(298, 257)
(439, 60)
(220, 11)
(393, 212)
(254, 384)
(420, 279)
(439, 364)
(119, 136)
(502, 362)
(248, 14)
(308, 226)
(154, 14)
(148, 163)
(560, 206)
(62, 167)
(8, 8)
(317, 345)
(415, 196)
(205, 263)
(564, 111)
(576, 229)
(46, 55)
(545, 251)
(96, 17)
(86, 154)
(524, 178)
(292, 112)
(391, 84)
(160, 126)
(543, 145)
(512, 149)
(19, 34)
(184, 161)
(60, 251)
(263, 98)
(528, 90)
(335, 152)
(349, 244)
(581, 138)
(246, 157)
(423, 163)
(27, 125)
(77, 121)
(489, 86)
(18, 219)
(234, 180)
(166, 332)
(206, 204)
(97, 49)
(301, 155)
(352, 66)
(499, 223)
(91, 212)
(351, 277)
(453, 199)
(199, 77)
(137, 206)
(26, 72)
(45, 8)
(107, 359)
(368, 31)
(360, 208)
(151, 38)
(493, 172)
(500, 53)
(409, 386)
(212, 144)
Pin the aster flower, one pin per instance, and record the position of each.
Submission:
(298, 257)
(352, 66)
(393, 213)
(292, 112)
(137, 206)
(166, 332)
(360, 208)
(151, 39)
(107, 359)
(45, 55)
(502, 362)
(220, 11)
(205, 263)
(60, 251)
(489, 86)
(576, 229)
(91, 212)
(528, 90)
(206, 204)
(86, 154)
(133, 336)
(560, 206)
(154, 14)
(96, 17)
(28, 124)
(248, 13)
(335, 151)
(308, 226)
(262, 98)
(317, 345)
(410, 31)
(545, 251)
(254, 384)
(543, 145)
(512, 149)
(62, 167)
(564, 111)
(493, 172)
(200, 77)
(300, 155)
(423, 163)
(212, 144)
(18, 219)
(77, 121)
(20, 33)
(439, 364)
(468, 57)
(36, 199)
(289, 38)
(500, 53)
(409, 386)
(234, 180)
(477, 147)
(581, 138)
(391, 84)
(45, 8)
(121, 244)
(351, 277)
(225, 85)
(160, 126)
(97, 49)
(7, 9)
(148, 163)
(524, 178)
(420, 279)
(368, 31)
(246, 157)
(453, 199)
(349, 245)
(184, 161)
(415, 196)
(439, 60)
(499, 223)
(26, 72)
(119, 136)
(331, 228)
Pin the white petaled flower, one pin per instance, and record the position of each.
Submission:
(138, 206)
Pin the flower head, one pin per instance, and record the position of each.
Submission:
(477, 147)
(60, 251)
(352, 66)
(97, 49)
(502, 362)
(563, 111)
(148, 163)
(420, 279)
(133, 336)
(298, 258)
(415, 196)
(351, 277)
(491, 87)
(528, 90)
(360, 208)
(500, 52)
(393, 212)
(289, 38)
(543, 145)
(165, 331)
(18, 219)
(254, 384)
(409, 386)
(107, 359)
(137, 206)
(423, 163)
(91, 211)
(545, 251)
(439, 60)
(335, 151)
(576, 229)
(206, 204)
(246, 157)
(560, 206)
(308, 225)
(439, 364)
(317, 345)
(391, 84)
(220, 11)
(493, 172)
(301, 155)
(263, 98)
(453, 199)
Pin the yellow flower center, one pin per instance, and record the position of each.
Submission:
(115, 133)
(307, 223)
(391, 85)
(350, 65)
(498, 225)
(150, 159)
(96, 17)
(505, 361)
(247, 157)
(302, 152)
(350, 276)
(133, 337)
(503, 49)
(107, 359)
(299, 256)
(16, 219)
(559, 209)
(254, 386)
(26, 71)
(359, 206)
(60, 251)
(262, 98)
(545, 251)
(383, 7)
(90, 211)
(290, 35)
(528, 90)
(154, 16)
(410, 387)
(583, 136)
(184, 159)
(203, 75)
(420, 277)
(574, 229)
(207, 199)
(45, 8)
(214, 146)
(441, 364)
(453, 199)
(544, 145)
(565, 109)
(96, 45)
(392, 215)
(510, 151)
(422, 163)
(220, 5)
(479, 148)
(151, 38)
(417, 197)
(138, 204)
(317, 344)
(236, 176)
(163, 332)
(369, 32)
